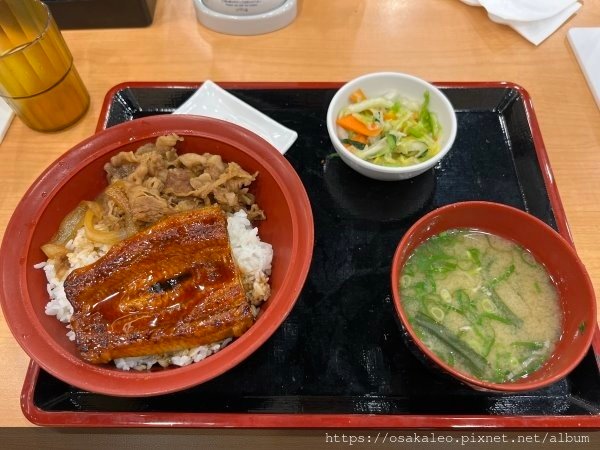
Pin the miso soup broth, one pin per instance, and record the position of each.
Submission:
(481, 303)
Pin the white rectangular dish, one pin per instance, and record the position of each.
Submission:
(213, 101)
(586, 46)
(6, 116)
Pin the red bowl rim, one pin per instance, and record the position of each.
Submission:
(521, 385)
(49, 355)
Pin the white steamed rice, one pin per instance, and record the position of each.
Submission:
(252, 257)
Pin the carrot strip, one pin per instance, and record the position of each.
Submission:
(357, 96)
(360, 138)
(351, 123)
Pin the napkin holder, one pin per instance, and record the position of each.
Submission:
(83, 14)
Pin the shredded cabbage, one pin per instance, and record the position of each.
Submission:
(409, 133)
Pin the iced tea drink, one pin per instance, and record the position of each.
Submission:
(37, 76)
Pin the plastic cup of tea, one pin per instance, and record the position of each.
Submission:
(37, 77)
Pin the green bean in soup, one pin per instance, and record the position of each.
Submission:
(482, 304)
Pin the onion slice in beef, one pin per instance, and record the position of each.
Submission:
(103, 237)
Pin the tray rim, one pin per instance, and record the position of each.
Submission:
(322, 421)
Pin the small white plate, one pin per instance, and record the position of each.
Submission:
(6, 116)
(213, 101)
(586, 46)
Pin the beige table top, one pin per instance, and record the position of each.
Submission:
(439, 40)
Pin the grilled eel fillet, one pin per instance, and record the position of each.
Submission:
(170, 287)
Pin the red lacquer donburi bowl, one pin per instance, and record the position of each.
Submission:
(79, 175)
(577, 300)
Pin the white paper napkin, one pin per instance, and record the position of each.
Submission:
(6, 116)
(535, 20)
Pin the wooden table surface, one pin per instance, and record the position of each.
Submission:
(439, 40)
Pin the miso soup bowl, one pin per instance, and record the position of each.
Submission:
(555, 253)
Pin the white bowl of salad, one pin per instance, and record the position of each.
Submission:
(390, 125)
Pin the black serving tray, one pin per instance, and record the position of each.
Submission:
(339, 358)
